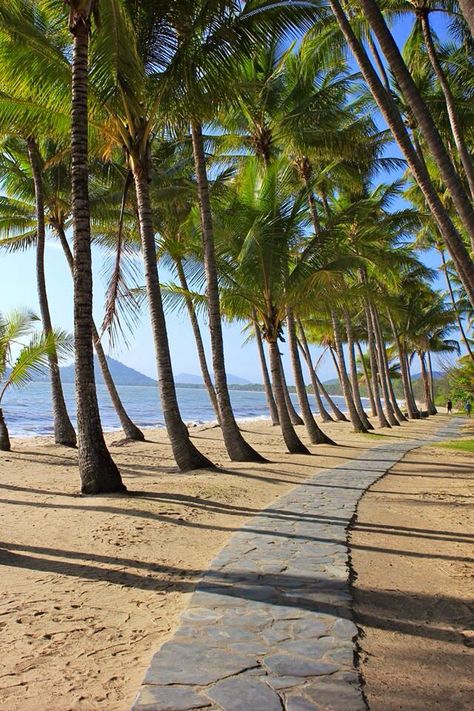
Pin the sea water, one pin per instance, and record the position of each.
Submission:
(27, 410)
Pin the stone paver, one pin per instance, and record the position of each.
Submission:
(270, 627)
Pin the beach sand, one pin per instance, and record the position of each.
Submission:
(91, 587)
(412, 551)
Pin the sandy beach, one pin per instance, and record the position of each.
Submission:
(91, 587)
(412, 555)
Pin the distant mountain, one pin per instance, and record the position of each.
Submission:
(190, 379)
(122, 374)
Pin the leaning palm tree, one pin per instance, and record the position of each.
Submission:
(20, 360)
(18, 221)
(391, 114)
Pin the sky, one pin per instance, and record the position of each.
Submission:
(18, 289)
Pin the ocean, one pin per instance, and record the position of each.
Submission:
(27, 410)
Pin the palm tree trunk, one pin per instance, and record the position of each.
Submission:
(97, 469)
(336, 364)
(367, 380)
(430, 371)
(64, 432)
(423, 117)
(455, 306)
(130, 430)
(345, 383)
(295, 418)
(338, 414)
(372, 348)
(430, 408)
(467, 9)
(393, 400)
(413, 413)
(354, 380)
(5, 445)
(292, 441)
(381, 367)
(449, 99)
(187, 456)
(459, 254)
(378, 61)
(237, 448)
(206, 376)
(316, 435)
(408, 366)
(272, 408)
(304, 346)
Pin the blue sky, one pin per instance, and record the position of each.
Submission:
(18, 288)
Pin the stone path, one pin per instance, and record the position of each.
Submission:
(269, 627)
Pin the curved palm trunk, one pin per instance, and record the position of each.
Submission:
(467, 9)
(187, 456)
(345, 383)
(272, 408)
(130, 430)
(354, 380)
(292, 441)
(430, 408)
(97, 469)
(463, 263)
(5, 445)
(367, 380)
(336, 364)
(206, 376)
(393, 400)
(378, 61)
(455, 306)
(64, 432)
(304, 346)
(383, 422)
(338, 414)
(382, 371)
(430, 371)
(423, 117)
(449, 99)
(412, 409)
(295, 418)
(316, 435)
(238, 449)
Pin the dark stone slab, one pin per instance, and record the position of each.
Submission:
(195, 664)
(169, 698)
(290, 665)
(244, 694)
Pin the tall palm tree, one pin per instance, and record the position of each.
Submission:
(18, 221)
(391, 115)
(96, 467)
(14, 150)
(126, 99)
(422, 115)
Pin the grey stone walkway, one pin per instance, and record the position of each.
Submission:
(269, 627)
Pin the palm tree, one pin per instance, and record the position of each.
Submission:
(421, 114)
(391, 115)
(126, 96)
(98, 471)
(259, 226)
(14, 150)
(18, 221)
(32, 357)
